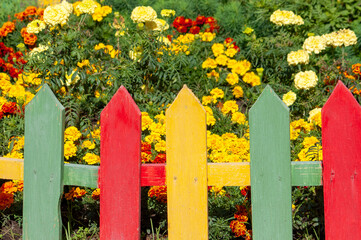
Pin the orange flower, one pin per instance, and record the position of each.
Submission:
(9, 187)
(159, 193)
(96, 194)
(356, 68)
(75, 193)
(7, 28)
(31, 10)
(6, 199)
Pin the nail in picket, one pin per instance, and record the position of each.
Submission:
(119, 176)
(270, 168)
(341, 131)
(186, 149)
(43, 166)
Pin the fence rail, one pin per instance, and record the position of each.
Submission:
(187, 173)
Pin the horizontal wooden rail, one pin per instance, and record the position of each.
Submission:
(219, 174)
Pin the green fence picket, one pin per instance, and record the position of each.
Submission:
(270, 168)
(43, 166)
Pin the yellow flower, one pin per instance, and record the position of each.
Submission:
(241, 67)
(237, 92)
(315, 117)
(207, 100)
(209, 63)
(248, 30)
(306, 80)
(157, 25)
(160, 146)
(210, 118)
(229, 106)
(88, 144)
(232, 78)
(214, 74)
(218, 191)
(314, 44)
(289, 98)
(143, 14)
(69, 149)
(207, 36)
(217, 49)
(167, 13)
(70, 80)
(239, 118)
(217, 93)
(309, 141)
(230, 52)
(281, 17)
(344, 37)
(35, 26)
(72, 134)
(56, 14)
(146, 121)
(222, 60)
(91, 158)
(252, 78)
(87, 6)
(83, 63)
(298, 57)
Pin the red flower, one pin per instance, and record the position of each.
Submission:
(160, 158)
(178, 21)
(200, 20)
(194, 30)
(188, 22)
(9, 108)
(210, 21)
(182, 29)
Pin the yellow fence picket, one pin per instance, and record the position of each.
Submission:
(187, 149)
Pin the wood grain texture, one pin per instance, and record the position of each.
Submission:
(120, 168)
(43, 166)
(11, 168)
(306, 173)
(341, 131)
(152, 174)
(270, 168)
(186, 168)
(229, 174)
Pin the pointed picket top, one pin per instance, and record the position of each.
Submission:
(43, 166)
(186, 133)
(341, 131)
(119, 175)
(270, 167)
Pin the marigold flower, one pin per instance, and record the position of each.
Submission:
(217, 49)
(298, 57)
(210, 118)
(241, 67)
(69, 149)
(87, 6)
(6, 199)
(217, 93)
(289, 98)
(229, 106)
(315, 117)
(75, 193)
(57, 14)
(314, 44)
(282, 17)
(159, 193)
(232, 78)
(96, 194)
(237, 92)
(167, 13)
(306, 80)
(209, 63)
(143, 14)
(252, 78)
(239, 118)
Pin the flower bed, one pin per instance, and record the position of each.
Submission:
(86, 50)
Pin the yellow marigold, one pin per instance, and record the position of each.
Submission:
(289, 98)
(67, 6)
(217, 93)
(282, 17)
(35, 26)
(88, 144)
(207, 100)
(18, 144)
(69, 149)
(252, 78)
(146, 121)
(96, 133)
(207, 36)
(15, 154)
(315, 117)
(160, 146)
(237, 92)
(209, 63)
(309, 141)
(217, 49)
(239, 118)
(210, 118)
(56, 14)
(2, 101)
(232, 78)
(16, 90)
(74, 193)
(306, 80)
(157, 25)
(248, 30)
(231, 63)
(87, 6)
(96, 194)
(222, 60)
(344, 37)
(229, 106)
(29, 77)
(218, 191)
(314, 44)
(143, 14)
(298, 57)
(214, 74)
(167, 13)
(39, 49)
(91, 158)
(230, 52)
(241, 67)
(311, 153)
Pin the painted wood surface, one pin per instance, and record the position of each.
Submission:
(186, 149)
(11, 168)
(341, 131)
(43, 166)
(219, 174)
(270, 168)
(120, 168)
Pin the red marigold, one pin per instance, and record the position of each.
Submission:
(160, 158)
(188, 22)
(200, 20)
(31, 10)
(238, 228)
(194, 30)
(6, 199)
(210, 20)
(30, 39)
(9, 108)
(159, 193)
(178, 21)
(356, 68)
(182, 29)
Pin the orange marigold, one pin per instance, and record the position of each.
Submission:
(7, 28)
(6, 199)
(356, 68)
(8, 187)
(238, 228)
(96, 194)
(31, 10)
(159, 193)
(75, 193)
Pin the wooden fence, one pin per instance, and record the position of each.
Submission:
(187, 173)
